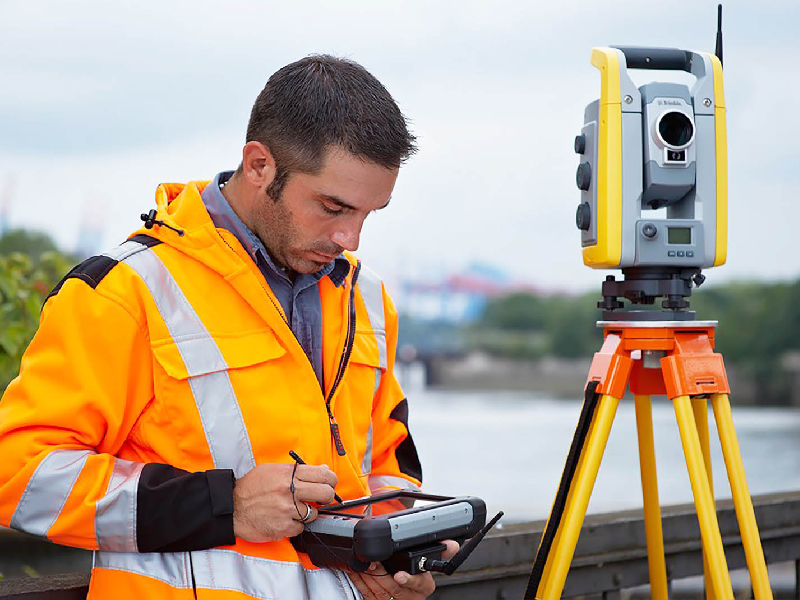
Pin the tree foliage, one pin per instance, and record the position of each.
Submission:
(554, 325)
(25, 281)
(519, 311)
(758, 323)
(24, 241)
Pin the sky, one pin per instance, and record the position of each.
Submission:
(101, 102)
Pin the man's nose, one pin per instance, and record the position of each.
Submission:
(348, 237)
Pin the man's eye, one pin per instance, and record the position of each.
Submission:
(331, 209)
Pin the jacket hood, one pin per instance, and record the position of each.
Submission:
(180, 206)
(184, 223)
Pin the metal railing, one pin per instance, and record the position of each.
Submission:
(610, 559)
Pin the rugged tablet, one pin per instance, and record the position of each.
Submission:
(401, 529)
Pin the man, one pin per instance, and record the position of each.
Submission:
(157, 404)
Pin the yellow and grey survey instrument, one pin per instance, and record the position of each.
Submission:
(653, 178)
(658, 146)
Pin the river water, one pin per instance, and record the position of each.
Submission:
(509, 449)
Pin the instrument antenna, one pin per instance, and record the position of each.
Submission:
(718, 50)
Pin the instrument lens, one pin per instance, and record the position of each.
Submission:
(676, 129)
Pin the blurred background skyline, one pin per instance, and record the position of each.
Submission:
(104, 102)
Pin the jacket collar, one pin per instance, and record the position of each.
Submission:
(181, 207)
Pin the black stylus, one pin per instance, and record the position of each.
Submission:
(296, 457)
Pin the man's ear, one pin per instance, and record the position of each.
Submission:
(258, 164)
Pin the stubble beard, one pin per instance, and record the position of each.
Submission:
(279, 235)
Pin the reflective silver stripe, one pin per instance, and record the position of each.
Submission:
(48, 490)
(218, 569)
(115, 519)
(197, 348)
(124, 250)
(348, 586)
(268, 579)
(216, 402)
(381, 481)
(170, 567)
(371, 288)
(366, 462)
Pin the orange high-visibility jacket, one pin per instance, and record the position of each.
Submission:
(165, 368)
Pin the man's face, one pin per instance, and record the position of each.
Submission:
(317, 216)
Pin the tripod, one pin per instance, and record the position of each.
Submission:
(676, 359)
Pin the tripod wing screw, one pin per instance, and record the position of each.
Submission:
(675, 303)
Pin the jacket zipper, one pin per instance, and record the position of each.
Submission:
(348, 350)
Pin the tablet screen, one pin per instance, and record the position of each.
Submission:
(382, 504)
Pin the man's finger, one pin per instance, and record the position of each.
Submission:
(422, 583)
(321, 493)
(295, 528)
(380, 585)
(387, 586)
(316, 474)
(361, 586)
(305, 512)
(452, 549)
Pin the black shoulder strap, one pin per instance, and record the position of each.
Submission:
(95, 268)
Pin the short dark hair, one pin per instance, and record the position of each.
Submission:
(322, 101)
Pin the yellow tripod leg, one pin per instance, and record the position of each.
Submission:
(652, 511)
(548, 567)
(562, 551)
(703, 501)
(700, 410)
(741, 498)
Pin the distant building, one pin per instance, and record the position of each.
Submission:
(90, 240)
(456, 298)
(90, 229)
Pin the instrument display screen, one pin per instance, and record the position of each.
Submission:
(679, 235)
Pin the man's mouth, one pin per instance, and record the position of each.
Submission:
(324, 257)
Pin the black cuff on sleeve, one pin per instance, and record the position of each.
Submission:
(179, 511)
(406, 453)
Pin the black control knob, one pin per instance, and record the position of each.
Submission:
(580, 144)
(583, 216)
(649, 230)
(583, 176)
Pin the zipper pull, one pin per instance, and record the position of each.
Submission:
(337, 440)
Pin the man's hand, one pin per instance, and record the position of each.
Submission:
(377, 584)
(263, 509)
